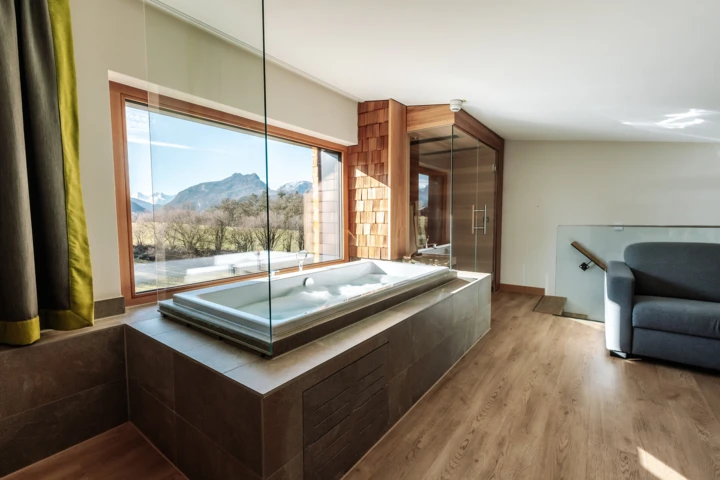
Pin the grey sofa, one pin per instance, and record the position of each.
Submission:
(663, 301)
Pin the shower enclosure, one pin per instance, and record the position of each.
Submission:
(453, 195)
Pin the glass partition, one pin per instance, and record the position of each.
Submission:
(581, 280)
(207, 213)
(452, 195)
(430, 200)
(473, 201)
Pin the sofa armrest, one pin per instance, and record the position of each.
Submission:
(619, 292)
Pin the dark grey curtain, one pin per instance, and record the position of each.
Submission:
(42, 228)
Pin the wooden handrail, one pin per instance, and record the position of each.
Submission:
(589, 255)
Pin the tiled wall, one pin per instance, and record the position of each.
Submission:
(58, 393)
(207, 425)
(367, 166)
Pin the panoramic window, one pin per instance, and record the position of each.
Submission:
(205, 207)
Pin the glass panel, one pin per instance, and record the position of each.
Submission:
(305, 221)
(205, 143)
(430, 167)
(486, 185)
(473, 200)
(582, 282)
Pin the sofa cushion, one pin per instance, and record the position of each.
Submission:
(677, 270)
(687, 317)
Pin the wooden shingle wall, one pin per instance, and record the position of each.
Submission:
(367, 169)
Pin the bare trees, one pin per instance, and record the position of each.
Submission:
(231, 226)
(187, 228)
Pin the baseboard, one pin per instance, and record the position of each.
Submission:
(506, 287)
(109, 307)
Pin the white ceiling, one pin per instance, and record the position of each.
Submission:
(629, 70)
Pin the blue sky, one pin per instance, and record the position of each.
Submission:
(168, 154)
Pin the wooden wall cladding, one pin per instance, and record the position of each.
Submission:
(368, 192)
(344, 415)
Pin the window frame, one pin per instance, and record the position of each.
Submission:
(119, 95)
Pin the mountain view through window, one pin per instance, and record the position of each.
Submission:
(205, 206)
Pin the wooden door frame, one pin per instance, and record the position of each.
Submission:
(119, 94)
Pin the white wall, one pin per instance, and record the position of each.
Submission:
(547, 184)
(110, 36)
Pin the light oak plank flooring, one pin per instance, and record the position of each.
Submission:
(539, 398)
(118, 454)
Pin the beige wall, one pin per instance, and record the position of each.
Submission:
(110, 36)
(584, 183)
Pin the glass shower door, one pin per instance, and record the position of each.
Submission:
(473, 203)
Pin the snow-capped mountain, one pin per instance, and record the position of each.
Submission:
(300, 187)
(157, 198)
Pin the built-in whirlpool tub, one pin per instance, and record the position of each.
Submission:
(276, 314)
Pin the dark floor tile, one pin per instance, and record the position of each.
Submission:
(466, 303)
(425, 372)
(400, 347)
(223, 410)
(48, 372)
(199, 458)
(150, 365)
(293, 470)
(282, 426)
(430, 327)
(400, 396)
(222, 356)
(478, 326)
(155, 325)
(186, 338)
(35, 434)
(109, 307)
(153, 419)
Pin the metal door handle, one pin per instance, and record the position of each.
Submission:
(472, 220)
(484, 227)
(485, 221)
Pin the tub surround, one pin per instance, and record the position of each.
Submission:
(218, 411)
(66, 388)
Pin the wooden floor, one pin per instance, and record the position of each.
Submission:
(539, 398)
(119, 454)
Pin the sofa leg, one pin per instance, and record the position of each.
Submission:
(622, 355)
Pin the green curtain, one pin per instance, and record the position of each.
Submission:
(45, 275)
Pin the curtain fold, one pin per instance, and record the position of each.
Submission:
(47, 278)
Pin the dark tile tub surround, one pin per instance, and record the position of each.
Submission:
(220, 412)
(109, 307)
(60, 392)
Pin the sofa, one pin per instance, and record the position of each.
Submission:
(663, 302)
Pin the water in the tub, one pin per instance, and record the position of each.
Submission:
(304, 299)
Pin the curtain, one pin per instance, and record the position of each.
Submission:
(45, 273)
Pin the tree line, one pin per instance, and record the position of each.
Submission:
(232, 226)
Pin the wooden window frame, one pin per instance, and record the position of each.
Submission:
(119, 95)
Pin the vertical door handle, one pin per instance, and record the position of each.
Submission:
(485, 220)
(472, 220)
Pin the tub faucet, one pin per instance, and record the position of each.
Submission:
(301, 256)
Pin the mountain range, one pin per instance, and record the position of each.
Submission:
(140, 202)
(208, 194)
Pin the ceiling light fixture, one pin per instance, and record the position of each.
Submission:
(456, 104)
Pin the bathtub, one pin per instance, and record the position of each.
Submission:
(304, 305)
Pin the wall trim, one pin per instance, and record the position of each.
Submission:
(507, 287)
